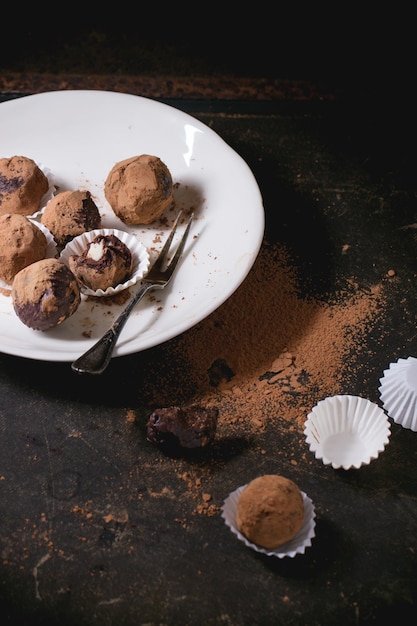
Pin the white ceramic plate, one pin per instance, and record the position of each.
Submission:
(79, 135)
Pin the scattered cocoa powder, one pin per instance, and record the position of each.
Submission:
(270, 353)
(265, 357)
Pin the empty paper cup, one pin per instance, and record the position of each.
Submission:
(347, 431)
(297, 545)
(398, 392)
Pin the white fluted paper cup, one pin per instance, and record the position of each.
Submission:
(398, 392)
(139, 253)
(297, 545)
(347, 431)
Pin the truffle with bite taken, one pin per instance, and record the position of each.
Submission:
(105, 262)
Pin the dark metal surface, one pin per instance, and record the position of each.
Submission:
(97, 526)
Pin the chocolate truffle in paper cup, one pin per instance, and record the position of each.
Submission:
(106, 261)
(271, 515)
(398, 392)
(347, 431)
(24, 185)
(69, 214)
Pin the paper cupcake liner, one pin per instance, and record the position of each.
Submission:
(297, 545)
(51, 249)
(347, 431)
(139, 253)
(398, 392)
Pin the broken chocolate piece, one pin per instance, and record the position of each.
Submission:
(190, 427)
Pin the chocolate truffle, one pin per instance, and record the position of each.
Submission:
(270, 511)
(189, 427)
(70, 213)
(45, 293)
(106, 262)
(22, 243)
(22, 185)
(139, 189)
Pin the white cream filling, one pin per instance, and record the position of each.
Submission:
(96, 250)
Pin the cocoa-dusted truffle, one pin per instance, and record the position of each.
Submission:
(22, 243)
(70, 213)
(105, 262)
(270, 511)
(22, 185)
(189, 427)
(139, 189)
(45, 293)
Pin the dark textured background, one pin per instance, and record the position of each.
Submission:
(339, 45)
(361, 568)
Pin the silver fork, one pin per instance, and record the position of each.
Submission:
(97, 358)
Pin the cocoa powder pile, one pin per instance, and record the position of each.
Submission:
(269, 353)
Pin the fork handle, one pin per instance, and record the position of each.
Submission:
(97, 358)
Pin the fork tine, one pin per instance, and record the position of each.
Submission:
(173, 263)
(164, 252)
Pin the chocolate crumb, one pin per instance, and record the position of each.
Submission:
(174, 427)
